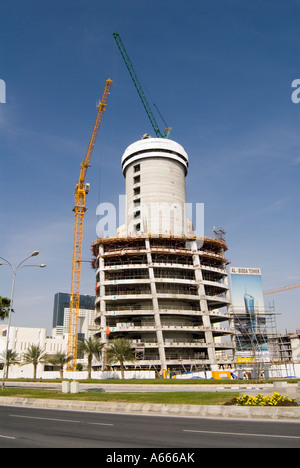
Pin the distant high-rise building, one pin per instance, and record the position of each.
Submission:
(62, 302)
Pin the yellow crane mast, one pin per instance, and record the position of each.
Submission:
(283, 288)
(81, 190)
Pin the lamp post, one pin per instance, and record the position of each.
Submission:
(14, 271)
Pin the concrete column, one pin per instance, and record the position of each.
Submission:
(159, 334)
(102, 293)
(209, 339)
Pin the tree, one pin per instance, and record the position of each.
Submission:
(4, 307)
(60, 360)
(34, 355)
(120, 350)
(92, 347)
(11, 359)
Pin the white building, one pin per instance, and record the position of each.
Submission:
(20, 339)
(86, 323)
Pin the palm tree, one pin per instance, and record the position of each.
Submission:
(4, 307)
(11, 359)
(92, 347)
(34, 355)
(120, 350)
(60, 360)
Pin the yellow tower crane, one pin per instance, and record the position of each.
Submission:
(81, 190)
(283, 288)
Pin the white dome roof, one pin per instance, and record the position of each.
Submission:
(154, 147)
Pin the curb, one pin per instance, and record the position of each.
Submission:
(200, 411)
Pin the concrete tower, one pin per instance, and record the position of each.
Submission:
(155, 170)
(157, 283)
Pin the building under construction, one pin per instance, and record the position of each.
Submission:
(157, 283)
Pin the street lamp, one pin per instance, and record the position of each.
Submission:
(15, 271)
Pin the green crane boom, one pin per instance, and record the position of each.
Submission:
(139, 88)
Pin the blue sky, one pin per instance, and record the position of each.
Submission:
(220, 72)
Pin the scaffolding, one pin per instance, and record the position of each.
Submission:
(259, 349)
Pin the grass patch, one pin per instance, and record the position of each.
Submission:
(176, 398)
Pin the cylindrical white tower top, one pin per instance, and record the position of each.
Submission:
(154, 148)
(155, 170)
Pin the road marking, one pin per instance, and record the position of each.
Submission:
(60, 420)
(6, 437)
(243, 434)
(101, 424)
(45, 419)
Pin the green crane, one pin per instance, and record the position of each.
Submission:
(139, 88)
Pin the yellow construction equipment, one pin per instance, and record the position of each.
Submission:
(81, 190)
(283, 288)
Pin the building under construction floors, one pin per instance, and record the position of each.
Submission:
(157, 283)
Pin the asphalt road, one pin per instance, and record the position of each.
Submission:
(44, 428)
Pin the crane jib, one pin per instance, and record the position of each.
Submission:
(139, 88)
